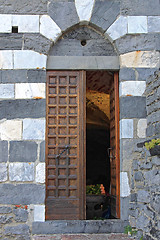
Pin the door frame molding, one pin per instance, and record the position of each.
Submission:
(83, 63)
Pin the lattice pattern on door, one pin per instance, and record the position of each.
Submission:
(63, 130)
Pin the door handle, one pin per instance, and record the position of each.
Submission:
(65, 149)
(109, 152)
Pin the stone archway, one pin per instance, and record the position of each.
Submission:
(81, 48)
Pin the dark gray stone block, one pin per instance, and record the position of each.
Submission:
(21, 215)
(70, 44)
(140, 7)
(37, 43)
(20, 229)
(22, 108)
(3, 151)
(5, 219)
(153, 118)
(42, 152)
(155, 106)
(145, 73)
(146, 165)
(22, 194)
(147, 210)
(11, 41)
(63, 13)
(152, 177)
(135, 164)
(142, 222)
(5, 210)
(134, 197)
(23, 237)
(155, 202)
(83, 32)
(132, 107)
(37, 76)
(155, 77)
(156, 160)
(138, 176)
(79, 226)
(23, 6)
(22, 76)
(155, 233)
(150, 99)
(22, 151)
(73, 47)
(127, 74)
(105, 13)
(124, 208)
(14, 76)
(143, 196)
(142, 42)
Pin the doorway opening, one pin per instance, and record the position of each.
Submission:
(98, 201)
(66, 127)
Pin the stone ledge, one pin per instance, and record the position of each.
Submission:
(83, 237)
(79, 226)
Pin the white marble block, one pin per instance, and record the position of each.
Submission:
(5, 23)
(28, 59)
(124, 185)
(3, 172)
(21, 172)
(26, 23)
(49, 28)
(11, 130)
(39, 213)
(141, 128)
(132, 88)
(140, 59)
(40, 173)
(6, 91)
(126, 128)
(33, 129)
(118, 28)
(6, 59)
(29, 90)
(137, 24)
(84, 9)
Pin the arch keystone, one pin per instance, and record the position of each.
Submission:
(84, 9)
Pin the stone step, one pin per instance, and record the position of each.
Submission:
(79, 226)
(83, 237)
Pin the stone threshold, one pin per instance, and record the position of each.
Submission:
(83, 236)
(79, 226)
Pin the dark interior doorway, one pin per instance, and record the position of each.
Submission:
(97, 144)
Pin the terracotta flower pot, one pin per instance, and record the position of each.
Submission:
(155, 151)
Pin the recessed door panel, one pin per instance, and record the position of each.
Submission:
(65, 159)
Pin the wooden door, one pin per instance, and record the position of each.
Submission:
(115, 149)
(65, 149)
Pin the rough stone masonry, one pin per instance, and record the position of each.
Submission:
(123, 28)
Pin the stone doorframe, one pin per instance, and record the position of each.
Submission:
(94, 63)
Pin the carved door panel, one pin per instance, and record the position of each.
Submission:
(65, 150)
(114, 145)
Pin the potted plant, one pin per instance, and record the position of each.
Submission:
(153, 146)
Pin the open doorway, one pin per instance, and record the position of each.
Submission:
(65, 142)
(98, 200)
